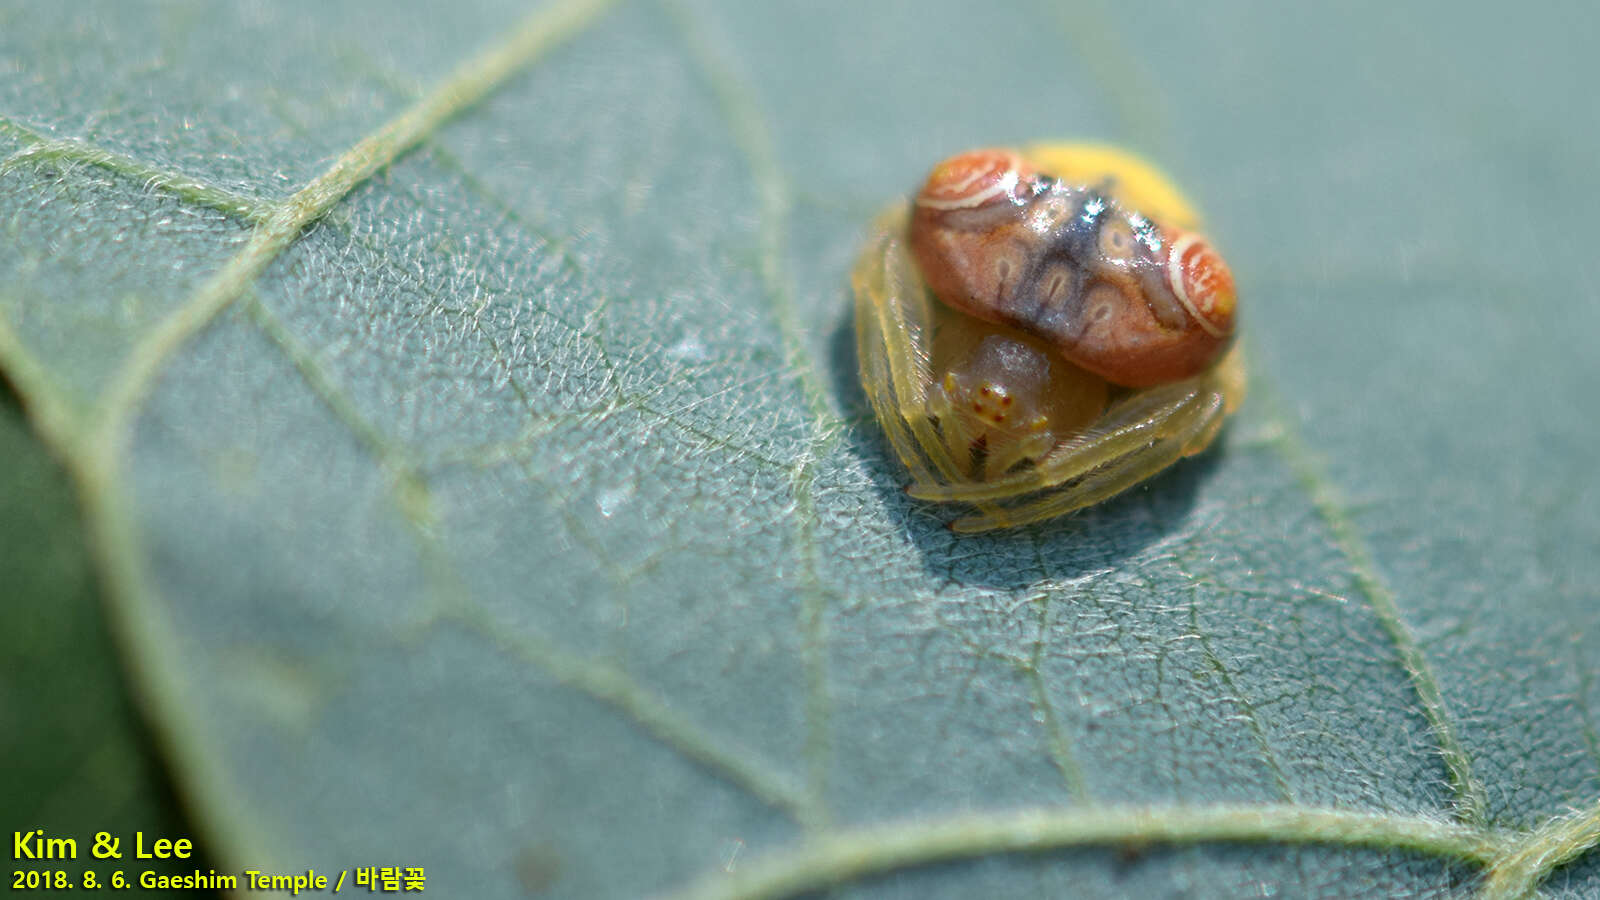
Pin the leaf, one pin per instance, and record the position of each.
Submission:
(465, 428)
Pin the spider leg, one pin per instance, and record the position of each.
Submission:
(1128, 425)
(1032, 447)
(893, 331)
(886, 407)
(1131, 423)
(1197, 426)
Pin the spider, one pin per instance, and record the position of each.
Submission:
(1039, 330)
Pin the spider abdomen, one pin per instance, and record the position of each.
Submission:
(1113, 291)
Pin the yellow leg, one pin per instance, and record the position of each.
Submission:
(1115, 478)
(892, 302)
(1128, 425)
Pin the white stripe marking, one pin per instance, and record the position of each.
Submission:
(1175, 280)
(1004, 185)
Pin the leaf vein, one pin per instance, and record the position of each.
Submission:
(93, 451)
(1471, 803)
(652, 714)
(1237, 696)
(740, 110)
(1056, 737)
(453, 601)
(853, 854)
(44, 149)
(1518, 870)
(465, 87)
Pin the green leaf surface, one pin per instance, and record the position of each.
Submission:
(463, 416)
